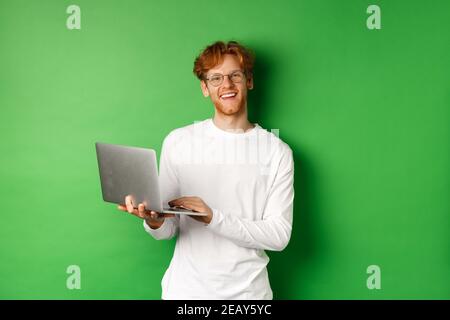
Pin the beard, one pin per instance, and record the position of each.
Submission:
(237, 107)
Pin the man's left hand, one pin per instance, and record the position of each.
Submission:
(196, 204)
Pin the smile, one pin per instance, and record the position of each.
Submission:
(228, 95)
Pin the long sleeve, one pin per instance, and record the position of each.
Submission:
(169, 189)
(273, 232)
(166, 231)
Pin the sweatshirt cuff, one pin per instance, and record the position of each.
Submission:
(156, 232)
(217, 217)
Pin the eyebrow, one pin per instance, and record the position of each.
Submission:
(222, 73)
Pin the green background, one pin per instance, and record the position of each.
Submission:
(366, 113)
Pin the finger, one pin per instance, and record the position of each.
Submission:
(173, 202)
(141, 210)
(199, 207)
(129, 203)
(188, 202)
(193, 206)
(177, 200)
(181, 205)
(154, 215)
(122, 207)
(125, 208)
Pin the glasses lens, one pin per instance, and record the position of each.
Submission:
(216, 79)
(237, 76)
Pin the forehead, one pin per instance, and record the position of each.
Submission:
(230, 63)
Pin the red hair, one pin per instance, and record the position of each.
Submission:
(213, 55)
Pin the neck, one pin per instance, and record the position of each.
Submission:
(233, 122)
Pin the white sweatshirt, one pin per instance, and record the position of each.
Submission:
(246, 179)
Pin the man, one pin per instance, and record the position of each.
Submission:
(235, 171)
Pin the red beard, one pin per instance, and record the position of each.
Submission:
(228, 109)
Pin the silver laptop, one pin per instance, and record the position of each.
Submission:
(132, 171)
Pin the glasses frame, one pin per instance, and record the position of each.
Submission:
(226, 75)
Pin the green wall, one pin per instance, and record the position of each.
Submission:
(366, 113)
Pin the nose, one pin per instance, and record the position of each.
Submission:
(227, 82)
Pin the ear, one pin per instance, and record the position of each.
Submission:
(204, 87)
(250, 83)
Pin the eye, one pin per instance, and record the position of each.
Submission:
(236, 75)
(215, 77)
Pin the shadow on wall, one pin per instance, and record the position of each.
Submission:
(288, 270)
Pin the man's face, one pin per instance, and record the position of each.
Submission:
(228, 98)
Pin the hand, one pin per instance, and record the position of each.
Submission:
(196, 204)
(153, 219)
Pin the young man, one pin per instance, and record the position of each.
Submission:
(239, 174)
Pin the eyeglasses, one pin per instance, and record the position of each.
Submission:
(216, 79)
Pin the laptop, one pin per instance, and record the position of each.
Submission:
(126, 170)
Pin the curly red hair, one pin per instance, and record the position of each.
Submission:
(213, 55)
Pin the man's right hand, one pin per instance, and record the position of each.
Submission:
(153, 219)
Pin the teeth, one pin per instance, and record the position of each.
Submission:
(228, 95)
